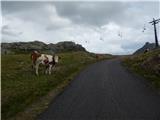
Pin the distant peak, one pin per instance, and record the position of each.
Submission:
(147, 45)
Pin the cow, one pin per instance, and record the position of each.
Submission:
(146, 50)
(48, 60)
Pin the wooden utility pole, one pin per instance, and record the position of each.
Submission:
(154, 22)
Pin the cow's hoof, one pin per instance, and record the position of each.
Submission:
(37, 74)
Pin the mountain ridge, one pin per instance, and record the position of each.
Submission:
(7, 48)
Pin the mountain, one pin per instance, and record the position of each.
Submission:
(22, 47)
(149, 46)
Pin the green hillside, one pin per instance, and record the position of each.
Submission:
(21, 87)
(147, 65)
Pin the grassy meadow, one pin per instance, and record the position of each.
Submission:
(20, 87)
(147, 65)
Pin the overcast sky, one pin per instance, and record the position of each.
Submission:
(100, 27)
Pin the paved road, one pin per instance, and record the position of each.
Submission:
(105, 91)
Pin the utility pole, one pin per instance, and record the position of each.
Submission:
(154, 22)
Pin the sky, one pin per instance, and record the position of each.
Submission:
(114, 27)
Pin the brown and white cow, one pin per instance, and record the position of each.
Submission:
(48, 60)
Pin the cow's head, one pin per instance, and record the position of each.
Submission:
(34, 56)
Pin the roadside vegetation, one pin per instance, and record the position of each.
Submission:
(146, 64)
(20, 87)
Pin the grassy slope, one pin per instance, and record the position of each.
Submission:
(147, 65)
(20, 87)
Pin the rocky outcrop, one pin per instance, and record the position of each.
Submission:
(40, 46)
(147, 46)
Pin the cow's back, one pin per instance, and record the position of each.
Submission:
(44, 59)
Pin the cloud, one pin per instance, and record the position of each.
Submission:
(95, 25)
(96, 13)
(100, 13)
(9, 31)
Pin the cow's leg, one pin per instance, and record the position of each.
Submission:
(50, 69)
(37, 66)
(53, 66)
(47, 69)
(33, 65)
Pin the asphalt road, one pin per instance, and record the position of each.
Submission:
(105, 91)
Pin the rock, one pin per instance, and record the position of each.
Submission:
(51, 48)
(69, 46)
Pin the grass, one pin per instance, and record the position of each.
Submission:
(20, 87)
(147, 65)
